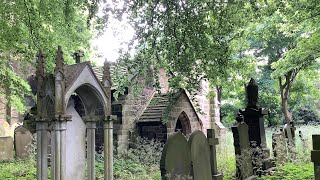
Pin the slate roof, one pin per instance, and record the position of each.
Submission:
(98, 70)
(73, 71)
(155, 109)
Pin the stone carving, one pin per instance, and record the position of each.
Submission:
(252, 93)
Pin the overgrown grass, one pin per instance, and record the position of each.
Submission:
(143, 162)
(18, 169)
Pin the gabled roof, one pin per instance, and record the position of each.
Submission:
(72, 72)
(98, 71)
(155, 109)
(158, 105)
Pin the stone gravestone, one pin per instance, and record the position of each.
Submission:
(6, 148)
(75, 146)
(315, 155)
(6, 142)
(5, 128)
(23, 142)
(200, 151)
(176, 157)
(242, 149)
(279, 147)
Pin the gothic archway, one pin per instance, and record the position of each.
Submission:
(183, 124)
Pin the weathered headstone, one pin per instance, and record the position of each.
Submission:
(315, 155)
(279, 147)
(200, 151)
(176, 157)
(75, 146)
(5, 129)
(6, 148)
(213, 154)
(23, 142)
(242, 149)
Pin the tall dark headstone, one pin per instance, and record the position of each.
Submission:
(315, 155)
(253, 117)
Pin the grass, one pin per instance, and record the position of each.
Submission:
(134, 166)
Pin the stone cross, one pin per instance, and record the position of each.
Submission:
(315, 155)
(213, 141)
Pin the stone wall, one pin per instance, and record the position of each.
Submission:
(153, 130)
(132, 108)
(210, 109)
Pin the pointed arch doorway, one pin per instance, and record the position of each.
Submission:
(183, 124)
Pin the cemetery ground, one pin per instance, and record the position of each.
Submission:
(143, 162)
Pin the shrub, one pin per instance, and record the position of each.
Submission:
(291, 171)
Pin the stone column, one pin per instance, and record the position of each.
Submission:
(108, 147)
(315, 155)
(213, 157)
(41, 124)
(91, 148)
(42, 150)
(60, 147)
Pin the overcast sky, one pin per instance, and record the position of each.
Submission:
(113, 38)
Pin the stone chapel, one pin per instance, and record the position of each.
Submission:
(144, 115)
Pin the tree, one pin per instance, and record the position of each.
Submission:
(27, 26)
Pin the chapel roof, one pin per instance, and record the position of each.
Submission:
(159, 104)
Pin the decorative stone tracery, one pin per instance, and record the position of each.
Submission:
(70, 83)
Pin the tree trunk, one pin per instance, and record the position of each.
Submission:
(284, 91)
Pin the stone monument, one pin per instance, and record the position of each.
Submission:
(315, 155)
(6, 148)
(23, 142)
(242, 149)
(195, 159)
(253, 117)
(279, 147)
(176, 157)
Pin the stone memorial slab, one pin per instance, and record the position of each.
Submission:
(176, 157)
(75, 146)
(242, 150)
(5, 129)
(200, 151)
(315, 155)
(6, 148)
(279, 146)
(23, 142)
